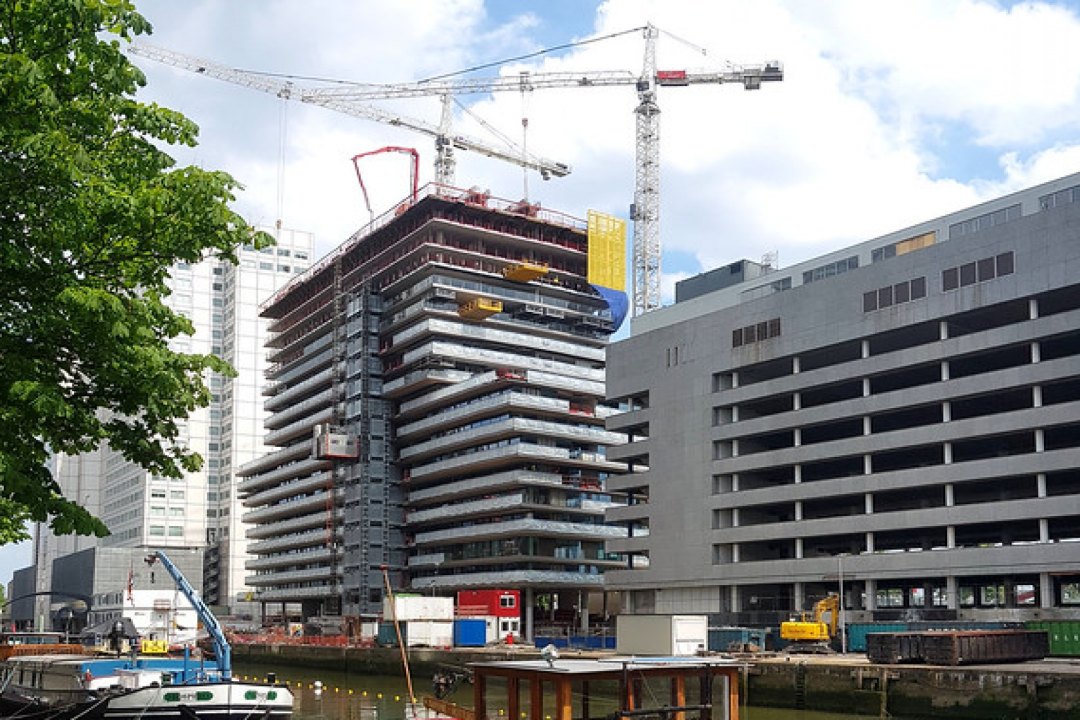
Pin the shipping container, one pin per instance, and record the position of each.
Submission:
(661, 634)
(429, 633)
(419, 607)
(957, 647)
(736, 639)
(1064, 635)
(470, 632)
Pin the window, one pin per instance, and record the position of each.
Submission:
(977, 272)
(757, 332)
(894, 294)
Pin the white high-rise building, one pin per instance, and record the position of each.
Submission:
(200, 510)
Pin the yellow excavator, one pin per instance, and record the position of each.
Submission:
(813, 634)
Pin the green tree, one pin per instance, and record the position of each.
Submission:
(93, 213)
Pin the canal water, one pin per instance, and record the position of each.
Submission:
(327, 695)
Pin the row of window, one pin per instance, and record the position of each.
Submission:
(897, 294)
(833, 268)
(1061, 197)
(755, 333)
(977, 272)
(989, 220)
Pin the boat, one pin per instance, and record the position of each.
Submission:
(119, 686)
(681, 688)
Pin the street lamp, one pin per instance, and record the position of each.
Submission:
(840, 618)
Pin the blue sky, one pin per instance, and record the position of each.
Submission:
(890, 113)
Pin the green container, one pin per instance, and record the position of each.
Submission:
(1064, 635)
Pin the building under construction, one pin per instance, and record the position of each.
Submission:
(436, 395)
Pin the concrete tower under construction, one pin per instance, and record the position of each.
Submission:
(436, 396)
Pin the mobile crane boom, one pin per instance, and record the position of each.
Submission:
(222, 649)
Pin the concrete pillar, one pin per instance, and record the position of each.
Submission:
(950, 499)
(944, 370)
(1036, 352)
(952, 593)
(866, 387)
(866, 348)
(1036, 396)
(734, 552)
(798, 548)
(797, 434)
(1046, 591)
(866, 426)
(1040, 440)
(869, 542)
(868, 465)
(528, 629)
(734, 379)
(946, 411)
(735, 607)
(583, 611)
(868, 503)
(871, 594)
(943, 330)
(950, 536)
(947, 453)
(796, 401)
(798, 510)
(1044, 530)
(799, 598)
(1040, 484)
(798, 474)
(795, 365)
(1033, 308)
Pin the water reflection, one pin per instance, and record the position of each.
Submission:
(380, 697)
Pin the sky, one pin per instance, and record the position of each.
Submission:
(891, 112)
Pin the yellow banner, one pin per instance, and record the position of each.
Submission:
(607, 251)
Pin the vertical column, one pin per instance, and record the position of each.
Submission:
(796, 401)
(950, 499)
(1046, 591)
(865, 349)
(1040, 440)
(797, 433)
(946, 411)
(1040, 484)
(868, 503)
(944, 370)
(866, 387)
(869, 540)
(871, 594)
(1044, 530)
(1036, 352)
(1033, 308)
(798, 548)
(795, 365)
(583, 612)
(529, 614)
(950, 537)
(798, 510)
(952, 590)
(799, 592)
(943, 330)
(866, 426)
(798, 474)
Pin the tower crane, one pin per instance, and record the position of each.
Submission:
(352, 99)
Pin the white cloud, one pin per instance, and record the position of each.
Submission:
(889, 114)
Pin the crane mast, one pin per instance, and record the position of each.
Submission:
(352, 99)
